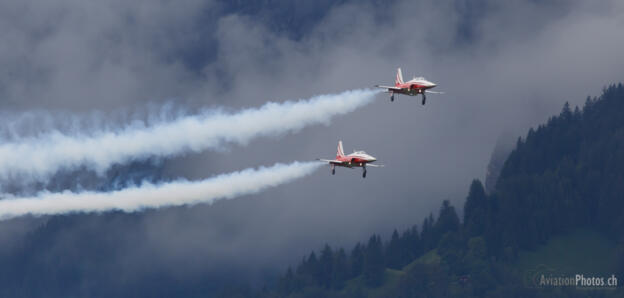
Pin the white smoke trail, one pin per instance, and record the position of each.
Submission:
(39, 158)
(182, 192)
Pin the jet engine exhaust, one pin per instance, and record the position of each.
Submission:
(153, 196)
(38, 158)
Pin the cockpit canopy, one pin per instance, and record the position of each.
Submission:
(359, 152)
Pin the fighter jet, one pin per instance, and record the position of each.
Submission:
(413, 87)
(355, 159)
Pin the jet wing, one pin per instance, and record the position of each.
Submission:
(434, 92)
(389, 87)
(374, 165)
(332, 161)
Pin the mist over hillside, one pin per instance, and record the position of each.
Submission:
(76, 68)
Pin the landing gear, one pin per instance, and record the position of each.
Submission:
(392, 97)
(364, 173)
(333, 171)
(424, 99)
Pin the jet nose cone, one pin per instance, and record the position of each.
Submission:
(372, 159)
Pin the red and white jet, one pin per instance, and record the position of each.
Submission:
(413, 87)
(355, 159)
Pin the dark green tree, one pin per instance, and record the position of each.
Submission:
(340, 269)
(374, 262)
(411, 245)
(356, 261)
(427, 235)
(448, 221)
(476, 210)
(326, 263)
(394, 252)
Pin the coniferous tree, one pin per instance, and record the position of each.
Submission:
(286, 284)
(340, 269)
(311, 268)
(475, 210)
(326, 263)
(357, 260)
(427, 234)
(411, 245)
(374, 262)
(394, 255)
(448, 221)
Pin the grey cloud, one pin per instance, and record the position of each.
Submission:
(523, 60)
(94, 55)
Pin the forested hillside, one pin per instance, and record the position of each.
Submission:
(564, 177)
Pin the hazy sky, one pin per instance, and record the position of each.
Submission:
(504, 66)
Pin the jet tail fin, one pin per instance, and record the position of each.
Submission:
(340, 152)
(399, 77)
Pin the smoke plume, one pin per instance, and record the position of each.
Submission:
(148, 195)
(38, 158)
